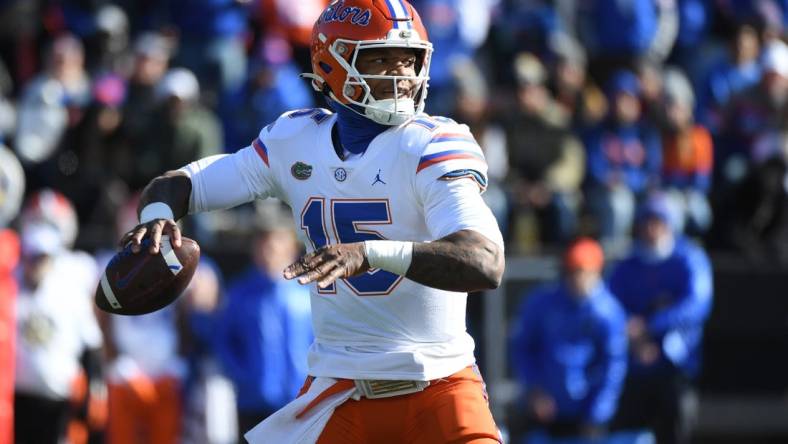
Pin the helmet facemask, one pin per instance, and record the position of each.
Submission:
(356, 91)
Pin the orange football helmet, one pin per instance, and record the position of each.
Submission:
(349, 26)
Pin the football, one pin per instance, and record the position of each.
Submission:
(139, 283)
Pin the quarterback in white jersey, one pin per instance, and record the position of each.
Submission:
(387, 202)
(378, 325)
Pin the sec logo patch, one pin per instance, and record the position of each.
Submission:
(340, 174)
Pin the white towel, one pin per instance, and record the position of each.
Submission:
(284, 428)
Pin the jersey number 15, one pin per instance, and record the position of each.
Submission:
(347, 218)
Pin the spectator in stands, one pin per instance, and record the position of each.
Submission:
(757, 110)
(695, 19)
(624, 161)
(20, 22)
(151, 57)
(264, 331)
(756, 212)
(751, 199)
(547, 162)
(568, 349)
(573, 90)
(665, 287)
(769, 14)
(650, 78)
(457, 29)
(99, 153)
(738, 71)
(620, 35)
(87, 403)
(182, 129)
(688, 155)
(211, 42)
(103, 26)
(56, 333)
(533, 25)
(51, 103)
(272, 88)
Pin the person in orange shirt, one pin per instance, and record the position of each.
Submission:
(688, 155)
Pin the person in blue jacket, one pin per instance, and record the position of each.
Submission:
(272, 87)
(264, 332)
(568, 349)
(624, 156)
(665, 286)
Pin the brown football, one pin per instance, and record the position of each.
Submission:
(139, 283)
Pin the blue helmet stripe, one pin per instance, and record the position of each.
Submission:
(409, 23)
(393, 13)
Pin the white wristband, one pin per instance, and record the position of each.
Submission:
(156, 210)
(393, 256)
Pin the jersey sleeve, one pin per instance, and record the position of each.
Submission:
(451, 153)
(227, 180)
(454, 205)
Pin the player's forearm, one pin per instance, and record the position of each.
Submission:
(463, 261)
(172, 188)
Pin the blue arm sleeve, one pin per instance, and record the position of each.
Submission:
(694, 304)
(603, 401)
(524, 345)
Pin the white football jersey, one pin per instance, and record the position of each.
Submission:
(378, 325)
(55, 324)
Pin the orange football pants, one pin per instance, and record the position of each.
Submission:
(449, 410)
(144, 411)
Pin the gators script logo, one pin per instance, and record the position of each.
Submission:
(338, 12)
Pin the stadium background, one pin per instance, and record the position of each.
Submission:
(97, 143)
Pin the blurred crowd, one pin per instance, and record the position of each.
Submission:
(583, 108)
(588, 112)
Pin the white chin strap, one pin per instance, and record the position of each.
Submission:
(390, 111)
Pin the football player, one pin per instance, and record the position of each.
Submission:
(387, 201)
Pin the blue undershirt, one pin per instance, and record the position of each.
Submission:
(355, 130)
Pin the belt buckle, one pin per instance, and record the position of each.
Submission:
(376, 388)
